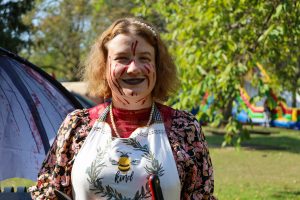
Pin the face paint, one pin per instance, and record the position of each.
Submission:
(147, 68)
(124, 104)
(142, 100)
(115, 83)
(133, 47)
(131, 72)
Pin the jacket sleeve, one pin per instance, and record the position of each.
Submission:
(55, 173)
(192, 158)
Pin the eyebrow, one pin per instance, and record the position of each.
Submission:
(121, 53)
(144, 53)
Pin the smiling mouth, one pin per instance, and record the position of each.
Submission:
(133, 81)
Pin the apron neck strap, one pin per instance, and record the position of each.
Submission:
(156, 117)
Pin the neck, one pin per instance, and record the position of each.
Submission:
(132, 104)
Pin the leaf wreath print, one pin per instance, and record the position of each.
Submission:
(95, 169)
(111, 193)
(156, 167)
(107, 191)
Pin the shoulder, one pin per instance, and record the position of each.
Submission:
(75, 117)
(166, 111)
(183, 114)
(94, 112)
(178, 121)
(74, 121)
(91, 112)
(185, 119)
(185, 128)
(79, 121)
(182, 117)
(170, 112)
(85, 114)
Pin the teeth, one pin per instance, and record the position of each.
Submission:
(133, 81)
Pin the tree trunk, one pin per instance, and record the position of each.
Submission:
(227, 111)
(294, 97)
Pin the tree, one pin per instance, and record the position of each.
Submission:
(64, 30)
(105, 12)
(283, 46)
(58, 36)
(13, 32)
(215, 43)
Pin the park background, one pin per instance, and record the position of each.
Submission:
(216, 45)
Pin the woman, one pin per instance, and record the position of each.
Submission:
(109, 151)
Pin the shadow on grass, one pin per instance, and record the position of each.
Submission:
(261, 142)
(287, 195)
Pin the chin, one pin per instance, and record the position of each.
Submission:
(134, 95)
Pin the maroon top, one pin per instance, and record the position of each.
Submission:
(127, 121)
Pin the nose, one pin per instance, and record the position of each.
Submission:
(133, 68)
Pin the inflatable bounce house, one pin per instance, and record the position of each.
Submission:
(279, 115)
(284, 116)
(253, 113)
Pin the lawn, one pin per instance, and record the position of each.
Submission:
(15, 182)
(265, 167)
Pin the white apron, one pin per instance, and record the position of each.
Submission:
(118, 168)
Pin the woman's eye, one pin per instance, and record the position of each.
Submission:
(145, 59)
(121, 58)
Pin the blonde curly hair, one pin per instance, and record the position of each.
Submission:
(94, 68)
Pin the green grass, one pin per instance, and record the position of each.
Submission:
(16, 182)
(265, 167)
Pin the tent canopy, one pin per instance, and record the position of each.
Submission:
(32, 107)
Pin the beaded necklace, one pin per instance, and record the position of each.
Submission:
(113, 120)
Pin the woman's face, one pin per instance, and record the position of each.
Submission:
(131, 72)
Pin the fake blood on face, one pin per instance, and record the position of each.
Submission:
(131, 70)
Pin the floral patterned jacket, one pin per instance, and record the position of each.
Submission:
(186, 138)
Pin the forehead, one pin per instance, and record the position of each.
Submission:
(123, 43)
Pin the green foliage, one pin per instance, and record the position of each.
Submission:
(13, 31)
(58, 35)
(63, 32)
(282, 45)
(215, 43)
